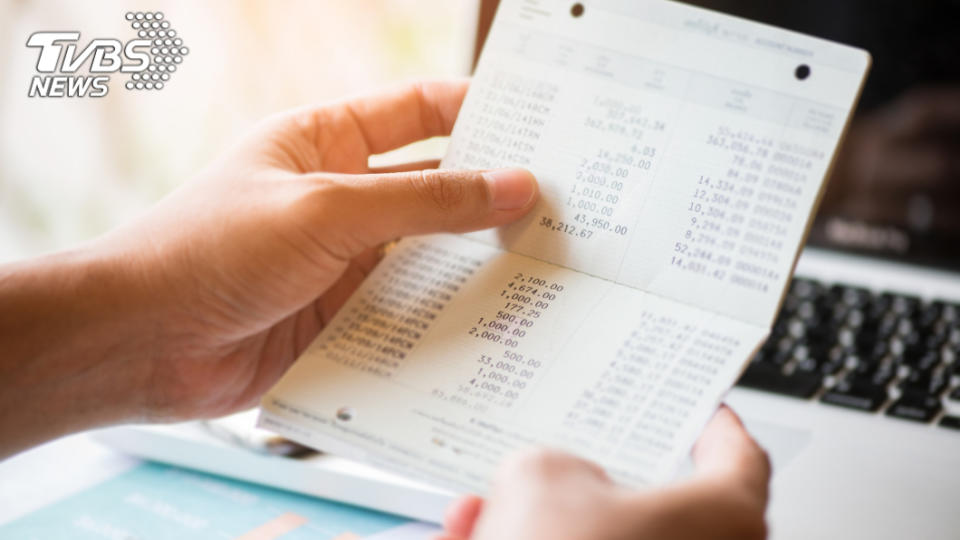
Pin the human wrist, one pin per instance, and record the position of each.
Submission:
(70, 361)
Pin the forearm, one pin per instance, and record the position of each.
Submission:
(69, 360)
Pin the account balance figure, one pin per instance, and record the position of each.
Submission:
(197, 308)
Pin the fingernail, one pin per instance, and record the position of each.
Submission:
(510, 189)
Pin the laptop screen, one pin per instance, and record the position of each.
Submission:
(895, 190)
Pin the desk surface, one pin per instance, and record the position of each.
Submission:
(116, 493)
(48, 473)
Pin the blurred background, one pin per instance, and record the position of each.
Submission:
(71, 169)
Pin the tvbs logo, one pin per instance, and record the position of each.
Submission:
(149, 60)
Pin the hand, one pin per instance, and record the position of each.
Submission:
(199, 307)
(545, 494)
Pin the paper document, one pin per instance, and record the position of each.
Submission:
(680, 155)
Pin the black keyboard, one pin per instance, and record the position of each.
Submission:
(851, 347)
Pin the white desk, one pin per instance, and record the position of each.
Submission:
(48, 473)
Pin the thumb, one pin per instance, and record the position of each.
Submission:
(726, 498)
(382, 207)
(462, 516)
(726, 450)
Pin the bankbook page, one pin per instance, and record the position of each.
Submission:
(680, 154)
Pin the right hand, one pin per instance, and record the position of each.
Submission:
(550, 495)
(198, 307)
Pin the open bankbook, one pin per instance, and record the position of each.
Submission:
(680, 155)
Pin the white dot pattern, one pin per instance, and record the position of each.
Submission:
(165, 52)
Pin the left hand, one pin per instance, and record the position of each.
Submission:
(546, 494)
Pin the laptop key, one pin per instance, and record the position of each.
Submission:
(952, 422)
(949, 312)
(924, 362)
(805, 288)
(919, 408)
(869, 345)
(924, 383)
(902, 304)
(935, 340)
(856, 393)
(928, 316)
(770, 377)
(884, 373)
(851, 296)
(955, 368)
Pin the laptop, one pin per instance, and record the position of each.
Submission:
(856, 395)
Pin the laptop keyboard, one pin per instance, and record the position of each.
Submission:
(874, 352)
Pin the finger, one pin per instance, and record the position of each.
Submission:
(698, 509)
(726, 451)
(377, 208)
(406, 114)
(350, 280)
(548, 464)
(406, 167)
(726, 498)
(462, 515)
